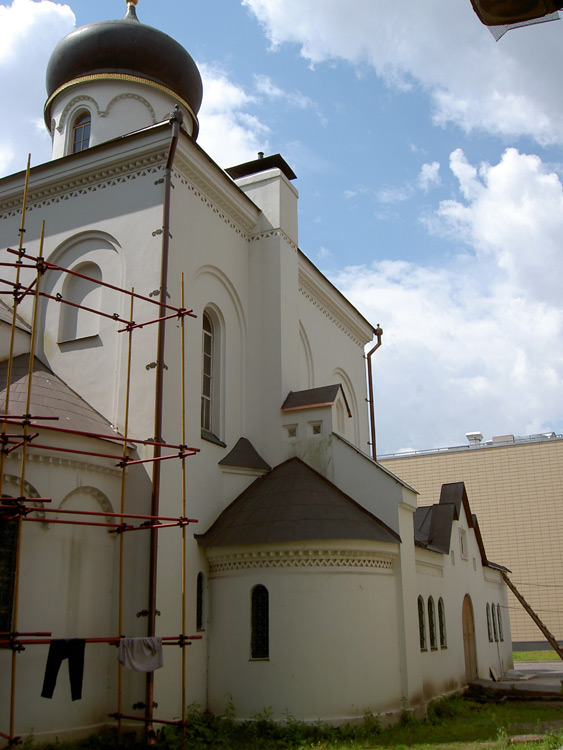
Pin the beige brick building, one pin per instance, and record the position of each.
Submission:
(515, 487)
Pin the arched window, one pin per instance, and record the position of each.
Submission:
(494, 617)
(76, 322)
(81, 132)
(442, 623)
(432, 623)
(421, 624)
(200, 590)
(489, 626)
(8, 550)
(208, 346)
(260, 623)
(211, 427)
(499, 618)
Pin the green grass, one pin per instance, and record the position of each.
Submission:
(452, 724)
(535, 656)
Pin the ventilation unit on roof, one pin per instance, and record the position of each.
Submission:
(503, 439)
(474, 437)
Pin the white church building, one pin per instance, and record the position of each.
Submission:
(174, 355)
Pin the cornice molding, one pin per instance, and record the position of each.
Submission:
(86, 181)
(103, 112)
(70, 463)
(352, 559)
(226, 201)
(328, 305)
(274, 233)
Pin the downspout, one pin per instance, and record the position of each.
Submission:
(176, 118)
(379, 333)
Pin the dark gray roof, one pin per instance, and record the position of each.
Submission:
(455, 493)
(50, 397)
(323, 396)
(433, 523)
(433, 527)
(261, 165)
(245, 456)
(6, 315)
(294, 503)
(124, 46)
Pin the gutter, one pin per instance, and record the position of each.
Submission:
(379, 333)
(175, 121)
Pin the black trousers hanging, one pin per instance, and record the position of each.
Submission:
(73, 650)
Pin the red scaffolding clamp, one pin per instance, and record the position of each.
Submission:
(12, 741)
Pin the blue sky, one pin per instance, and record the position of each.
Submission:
(429, 169)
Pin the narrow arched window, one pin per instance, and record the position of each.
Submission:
(260, 623)
(8, 552)
(207, 384)
(489, 626)
(421, 624)
(432, 623)
(81, 132)
(442, 623)
(499, 618)
(200, 592)
(79, 319)
(494, 618)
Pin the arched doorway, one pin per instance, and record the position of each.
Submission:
(469, 647)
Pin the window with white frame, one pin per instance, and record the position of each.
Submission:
(207, 373)
(81, 132)
(211, 427)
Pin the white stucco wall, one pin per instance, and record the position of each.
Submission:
(333, 621)
(105, 207)
(452, 577)
(115, 107)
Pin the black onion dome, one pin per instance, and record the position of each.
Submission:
(125, 47)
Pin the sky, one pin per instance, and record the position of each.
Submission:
(430, 168)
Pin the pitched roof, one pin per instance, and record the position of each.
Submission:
(6, 315)
(244, 456)
(433, 527)
(323, 396)
(294, 503)
(261, 165)
(50, 396)
(433, 523)
(455, 493)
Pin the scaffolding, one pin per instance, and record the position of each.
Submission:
(23, 431)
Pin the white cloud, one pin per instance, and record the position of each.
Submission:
(514, 215)
(509, 88)
(266, 87)
(28, 32)
(429, 176)
(394, 194)
(475, 345)
(227, 131)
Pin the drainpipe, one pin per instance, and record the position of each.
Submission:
(176, 118)
(379, 333)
